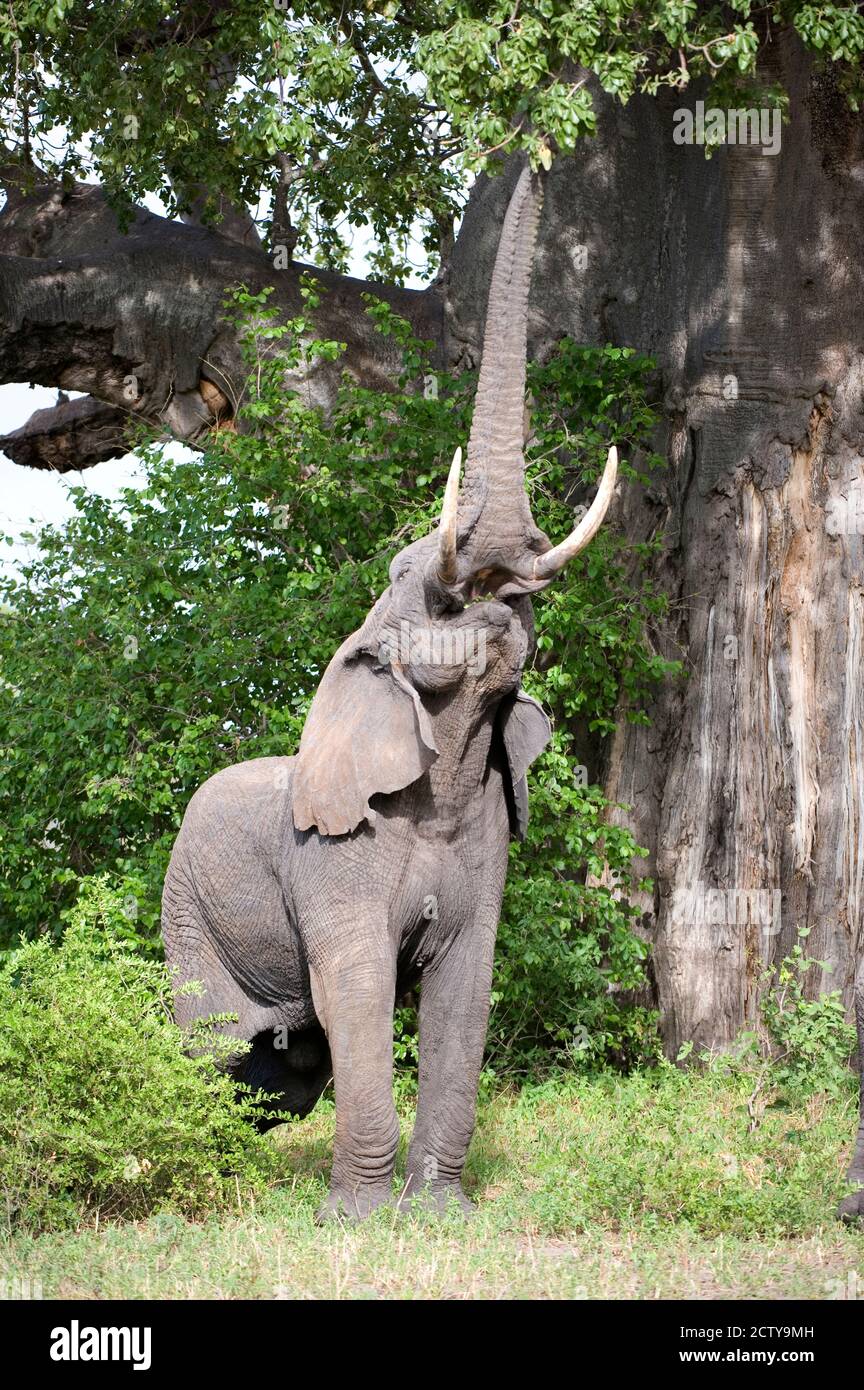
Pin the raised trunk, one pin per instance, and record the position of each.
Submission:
(495, 467)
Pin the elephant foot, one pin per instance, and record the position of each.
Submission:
(851, 1209)
(435, 1199)
(352, 1204)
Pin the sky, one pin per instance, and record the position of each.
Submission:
(31, 494)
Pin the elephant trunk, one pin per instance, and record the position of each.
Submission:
(495, 466)
(493, 503)
(503, 541)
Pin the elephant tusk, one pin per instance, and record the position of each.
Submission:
(447, 524)
(546, 566)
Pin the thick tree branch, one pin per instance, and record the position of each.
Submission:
(136, 319)
(72, 435)
(235, 223)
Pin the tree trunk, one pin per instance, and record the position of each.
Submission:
(742, 276)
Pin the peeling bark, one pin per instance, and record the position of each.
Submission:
(744, 277)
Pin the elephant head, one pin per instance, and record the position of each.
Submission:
(441, 654)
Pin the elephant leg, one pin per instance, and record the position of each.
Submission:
(292, 1072)
(852, 1207)
(454, 1010)
(354, 997)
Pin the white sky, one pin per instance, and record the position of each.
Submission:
(29, 495)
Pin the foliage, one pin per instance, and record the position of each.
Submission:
(365, 115)
(812, 1043)
(652, 1185)
(101, 1112)
(567, 952)
(803, 1046)
(149, 642)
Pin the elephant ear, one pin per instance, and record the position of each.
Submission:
(366, 733)
(525, 731)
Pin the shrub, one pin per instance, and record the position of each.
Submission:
(812, 1043)
(100, 1109)
(803, 1046)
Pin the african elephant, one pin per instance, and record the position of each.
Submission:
(308, 892)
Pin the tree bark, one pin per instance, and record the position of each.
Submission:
(744, 277)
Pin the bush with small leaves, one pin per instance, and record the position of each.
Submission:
(101, 1111)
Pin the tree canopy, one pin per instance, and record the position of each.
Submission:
(339, 116)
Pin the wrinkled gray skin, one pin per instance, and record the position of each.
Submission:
(321, 933)
(307, 893)
(852, 1207)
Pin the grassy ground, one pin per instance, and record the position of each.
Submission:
(662, 1187)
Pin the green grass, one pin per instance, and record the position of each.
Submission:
(661, 1186)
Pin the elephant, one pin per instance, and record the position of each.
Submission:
(307, 893)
